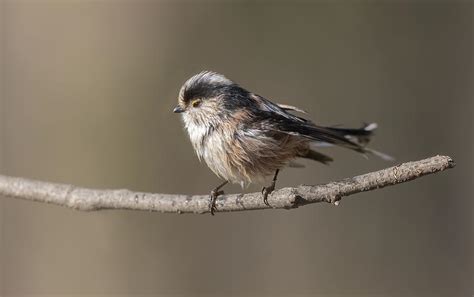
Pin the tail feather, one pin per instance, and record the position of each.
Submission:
(355, 139)
(317, 156)
(381, 155)
(361, 135)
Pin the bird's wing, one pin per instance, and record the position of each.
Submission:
(278, 109)
(286, 107)
(285, 123)
(276, 118)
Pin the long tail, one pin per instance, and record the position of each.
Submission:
(355, 139)
(361, 136)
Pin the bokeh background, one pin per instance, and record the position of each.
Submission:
(87, 89)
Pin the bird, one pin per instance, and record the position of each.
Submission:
(245, 138)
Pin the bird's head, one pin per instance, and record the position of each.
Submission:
(207, 96)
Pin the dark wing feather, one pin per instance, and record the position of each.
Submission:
(311, 131)
(266, 105)
(286, 107)
(271, 117)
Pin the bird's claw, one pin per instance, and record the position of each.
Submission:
(212, 201)
(267, 191)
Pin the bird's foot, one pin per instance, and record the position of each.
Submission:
(267, 191)
(212, 201)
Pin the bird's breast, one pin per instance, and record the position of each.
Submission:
(198, 135)
(213, 144)
(240, 156)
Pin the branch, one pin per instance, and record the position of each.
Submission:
(287, 198)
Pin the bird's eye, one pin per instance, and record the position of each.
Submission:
(196, 102)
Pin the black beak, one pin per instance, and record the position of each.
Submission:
(178, 109)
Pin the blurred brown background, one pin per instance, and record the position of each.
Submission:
(87, 89)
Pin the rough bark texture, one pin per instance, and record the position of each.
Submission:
(91, 199)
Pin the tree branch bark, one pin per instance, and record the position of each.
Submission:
(287, 198)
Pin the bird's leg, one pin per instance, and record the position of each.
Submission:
(214, 193)
(267, 190)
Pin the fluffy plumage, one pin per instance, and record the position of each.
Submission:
(245, 138)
